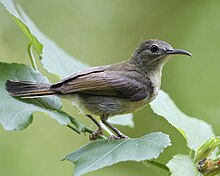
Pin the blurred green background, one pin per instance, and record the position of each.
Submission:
(103, 32)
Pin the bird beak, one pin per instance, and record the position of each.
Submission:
(178, 51)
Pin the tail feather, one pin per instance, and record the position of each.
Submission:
(28, 89)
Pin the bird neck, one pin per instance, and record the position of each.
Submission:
(152, 70)
(149, 68)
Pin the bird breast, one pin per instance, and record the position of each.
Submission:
(99, 105)
(155, 82)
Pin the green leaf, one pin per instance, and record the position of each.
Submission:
(9, 6)
(102, 153)
(123, 120)
(17, 114)
(182, 165)
(54, 59)
(195, 131)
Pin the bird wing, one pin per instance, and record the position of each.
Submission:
(104, 82)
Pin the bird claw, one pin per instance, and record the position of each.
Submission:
(94, 135)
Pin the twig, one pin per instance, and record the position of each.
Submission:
(74, 129)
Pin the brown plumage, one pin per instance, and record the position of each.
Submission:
(109, 90)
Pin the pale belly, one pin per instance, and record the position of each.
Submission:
(98, 105)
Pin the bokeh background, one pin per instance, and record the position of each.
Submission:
(104, 32)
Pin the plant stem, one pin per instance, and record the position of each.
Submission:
(74, 129)
(160, 165)
(31, 55)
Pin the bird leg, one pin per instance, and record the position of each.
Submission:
(119, 134)
(99, 131)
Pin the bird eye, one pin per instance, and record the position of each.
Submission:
(154, 49)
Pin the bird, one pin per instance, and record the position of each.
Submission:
(108, 90)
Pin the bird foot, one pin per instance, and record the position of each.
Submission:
(112, 137)
(94, 135)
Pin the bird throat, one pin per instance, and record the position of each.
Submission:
(148, 67)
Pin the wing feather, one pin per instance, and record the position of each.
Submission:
(104, 82)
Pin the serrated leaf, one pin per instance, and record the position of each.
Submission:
(182, 165)
(123, 120)
(102, 153)
(194, 130)
(54, 59)
(16, 114)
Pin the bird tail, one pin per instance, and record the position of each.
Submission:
(28, 89)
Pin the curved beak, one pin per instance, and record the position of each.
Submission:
(178, 51)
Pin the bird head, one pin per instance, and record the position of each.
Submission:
(153, 54)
